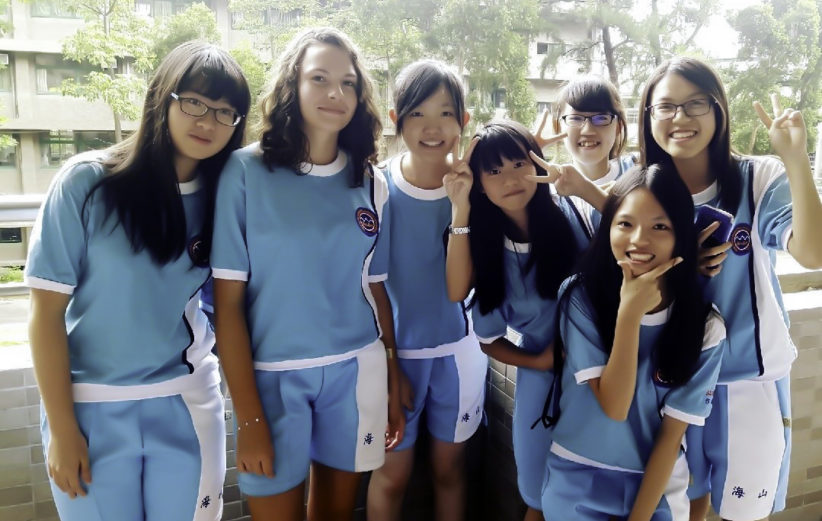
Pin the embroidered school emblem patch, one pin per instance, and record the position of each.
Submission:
(197, 251)
(367, 221)
(741, 239)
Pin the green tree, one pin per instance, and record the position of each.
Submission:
(631, 44)
(780, 51)
(112, 36)
(196, 22)
(489, 43)
(256, 72)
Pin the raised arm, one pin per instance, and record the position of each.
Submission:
(459, 267)
(788, 137)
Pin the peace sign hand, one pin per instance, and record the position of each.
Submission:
(642, 293)
(786, 131)
(550, 140)
(566, 179)
(459, 180)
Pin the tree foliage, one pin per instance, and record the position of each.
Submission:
(196, 22)
(112, 36)
(780, 51)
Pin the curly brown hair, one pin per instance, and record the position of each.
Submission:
(282, 140)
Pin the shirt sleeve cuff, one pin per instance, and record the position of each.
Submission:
(50, 285)
(589, 374)
(683, 416)
(219, 273)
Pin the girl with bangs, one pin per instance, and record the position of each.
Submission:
(589, 112)
(298, 217)
(133, 420)
(436, 347)
(518, 267)
(637, 358)
(740, 458)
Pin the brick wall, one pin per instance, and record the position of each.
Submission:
(25, 493)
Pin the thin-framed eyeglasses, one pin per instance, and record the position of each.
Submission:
(198, 109)
(692, 108)
(597, 120)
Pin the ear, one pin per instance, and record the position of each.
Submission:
(465, 118)
(392, 114)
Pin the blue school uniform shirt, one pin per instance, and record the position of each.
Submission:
(586, 217)
(303, 244)
(584, 433)
(130, 321)
(524, 310)
(424, 316)
(747, 291)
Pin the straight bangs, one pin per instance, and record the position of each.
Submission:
(419, 81)
(590, 95)
(499, 143)
(215, 77)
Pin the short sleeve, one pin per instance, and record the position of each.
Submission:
(488, 327)
(585, 356)
(378, 269)
(774, 209)
(692, 402)
(229, 252)
(58, 241)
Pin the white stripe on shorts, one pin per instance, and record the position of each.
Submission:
(207, 410)
(676, 492)
(756, 444)
(372, 406)
(472, 366)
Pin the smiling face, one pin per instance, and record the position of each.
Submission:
(327, 89)
(507, 187)
(641, 232)
(197, 138)
(683, 136)
(590, 144)
(431, 128)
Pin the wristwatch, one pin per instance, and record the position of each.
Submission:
(459, 230)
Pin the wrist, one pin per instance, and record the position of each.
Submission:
(459, 216)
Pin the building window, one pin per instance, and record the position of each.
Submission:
(498, 98)
(543, 106)
(8, 154)
(51, 9)
(11, 235)
(50, 71)
(57, 146)
(5, 74)
(542, 47)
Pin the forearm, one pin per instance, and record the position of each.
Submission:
(385, 317)
(502, 350)
(594, 195)
(805, 244)
(235, 349)
(615, 389)
(658, 469)
(50, 355)
(459, 267)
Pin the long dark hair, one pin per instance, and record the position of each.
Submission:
(140, 183)
(548, 228)
(418, 81)
(594, 94)
(677, 349)
(282, 140)
(722, 162)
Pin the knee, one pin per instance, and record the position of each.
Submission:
(390, 481)
(448, 473)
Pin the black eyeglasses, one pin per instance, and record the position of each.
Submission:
(692, 108)
(198, 109)
(597, 120)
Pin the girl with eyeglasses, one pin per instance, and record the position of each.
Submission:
(740, 457)
(299, 326)
(589, 113)
(133, 419)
